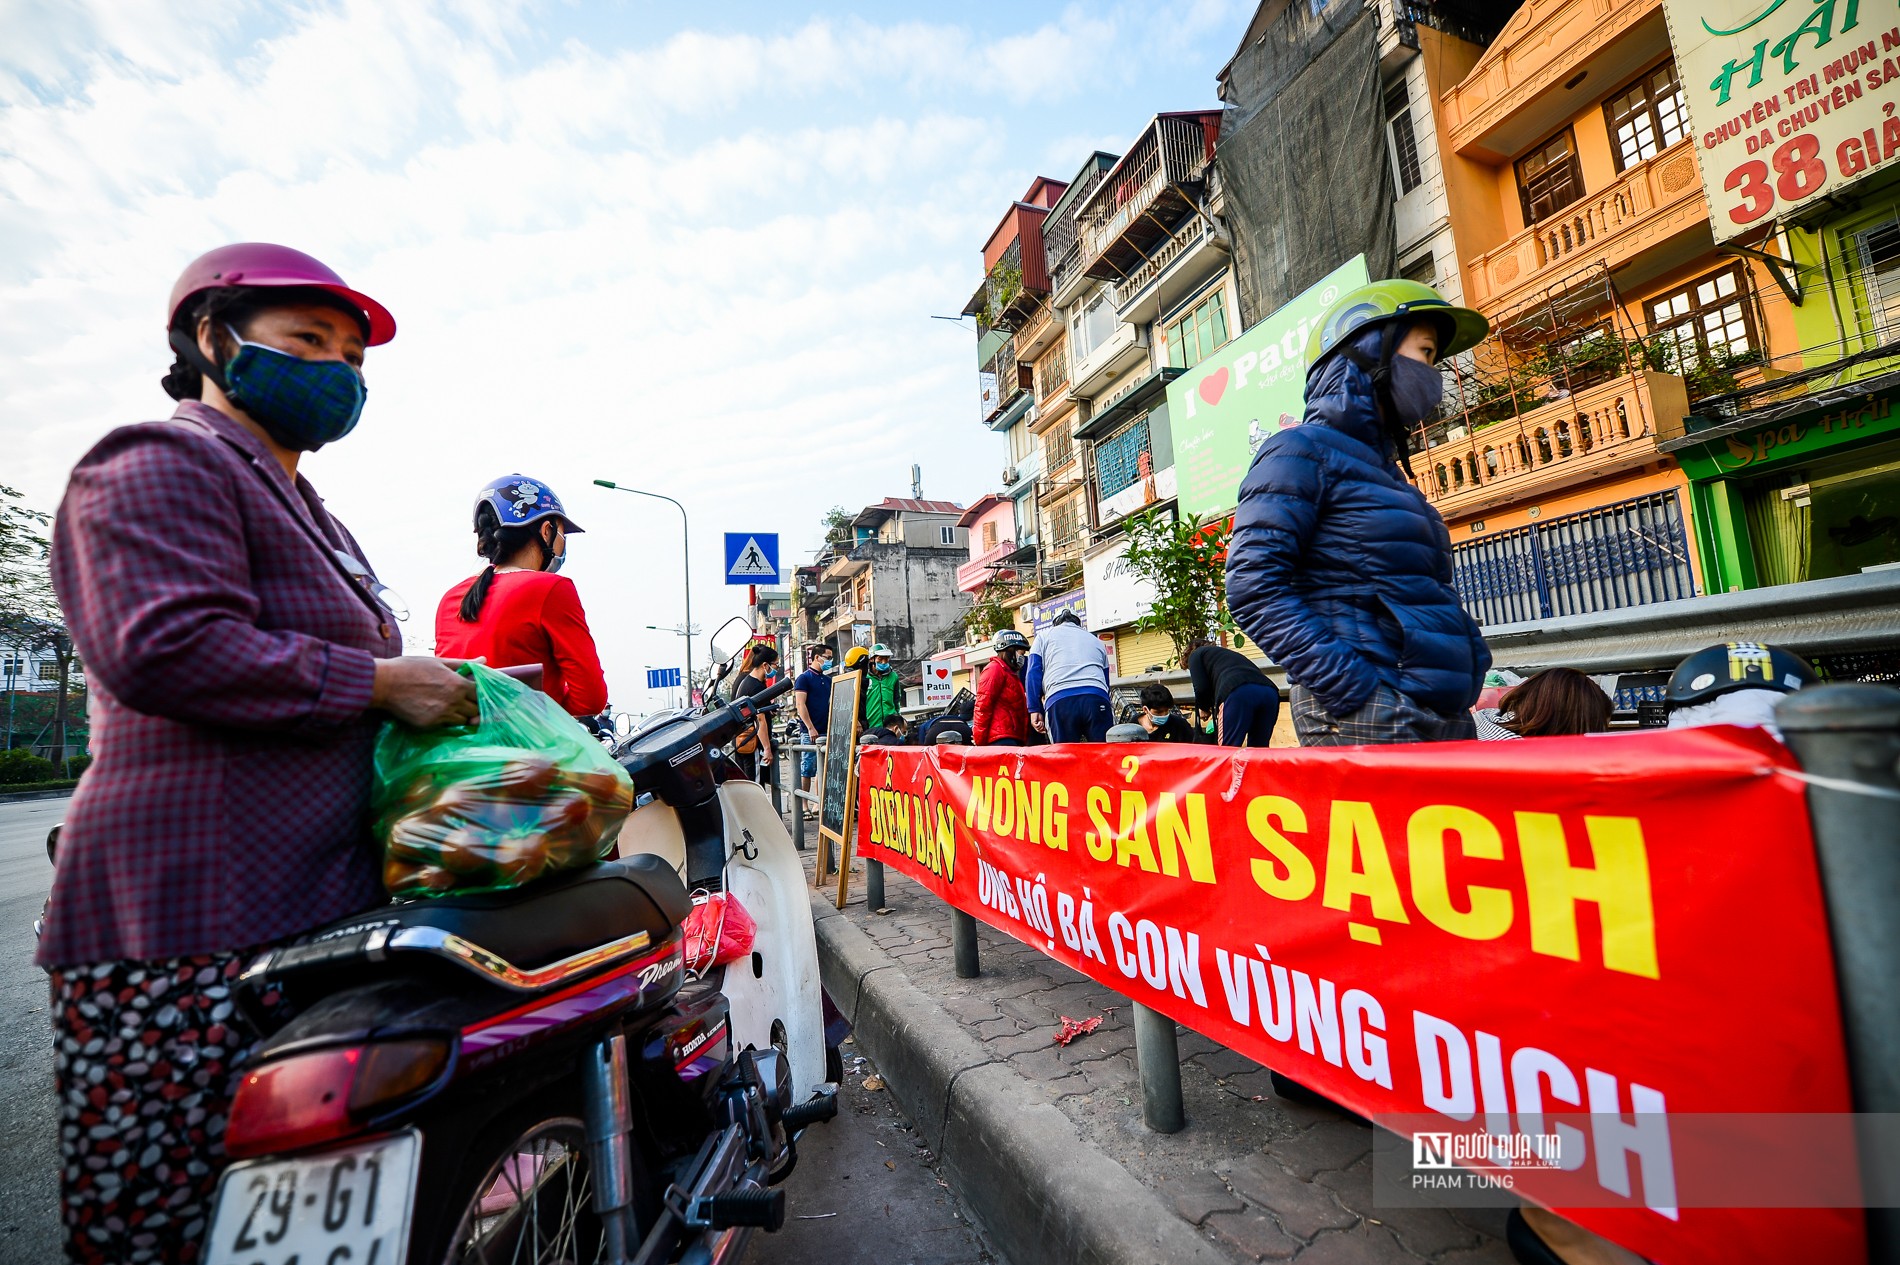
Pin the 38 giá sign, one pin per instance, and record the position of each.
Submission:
(1788, 99)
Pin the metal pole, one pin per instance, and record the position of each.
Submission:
(686, 554)
(1158, 1061)
(963, 943)
(874, 886)
(1850, 734)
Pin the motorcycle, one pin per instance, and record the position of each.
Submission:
(530, 1076)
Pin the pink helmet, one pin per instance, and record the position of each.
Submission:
(263, 264)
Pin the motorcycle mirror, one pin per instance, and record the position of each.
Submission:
(730, 638)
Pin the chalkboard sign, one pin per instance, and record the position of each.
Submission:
(839, 783)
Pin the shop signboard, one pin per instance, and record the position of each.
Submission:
(1802, 436)
(938, 688)
(1043, 613)
(1787, 102)
(1117, 595)
(1224, 408)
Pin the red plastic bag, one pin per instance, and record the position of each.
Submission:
(718, 931)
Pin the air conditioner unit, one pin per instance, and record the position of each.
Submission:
(1009, 474)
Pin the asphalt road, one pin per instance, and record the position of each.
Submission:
(868, 1192)
(865, 1191)
(29, 1156)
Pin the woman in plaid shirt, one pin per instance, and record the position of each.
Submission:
(241, 654)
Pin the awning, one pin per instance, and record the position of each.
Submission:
(1143, 397)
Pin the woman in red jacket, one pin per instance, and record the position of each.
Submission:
(518, 611)
(1002, 706)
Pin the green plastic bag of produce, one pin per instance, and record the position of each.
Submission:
(486, 807)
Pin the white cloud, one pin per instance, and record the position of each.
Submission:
(704, 263)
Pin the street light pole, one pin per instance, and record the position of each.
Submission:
(686, 551)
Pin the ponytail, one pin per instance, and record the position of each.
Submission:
(493, 542)
(472, 600)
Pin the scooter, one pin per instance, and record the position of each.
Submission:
(529, 1076)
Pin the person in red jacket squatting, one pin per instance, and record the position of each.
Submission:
(1002, 705)
(518, 611)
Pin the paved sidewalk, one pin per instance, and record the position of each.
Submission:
(1254, 1176)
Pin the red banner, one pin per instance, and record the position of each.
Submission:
(1614, 932)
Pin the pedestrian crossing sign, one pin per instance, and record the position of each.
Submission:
(751, 557)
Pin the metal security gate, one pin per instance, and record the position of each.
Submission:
(1632, 553)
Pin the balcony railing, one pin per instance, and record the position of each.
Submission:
(983, 568)
(1514, 93)
(1052, 372)
(1062, 246)
(1012, 379)
(1197, 230)
(1033, 335)
(1601, 428)
(1147, 193)
(841, 616)
(1655, 198)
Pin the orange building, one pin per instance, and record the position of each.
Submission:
(1582, 231)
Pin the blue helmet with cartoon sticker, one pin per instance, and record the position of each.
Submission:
(519, 501)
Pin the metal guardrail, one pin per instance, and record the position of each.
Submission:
(1813, 618)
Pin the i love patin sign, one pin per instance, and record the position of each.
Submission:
(1223, 409)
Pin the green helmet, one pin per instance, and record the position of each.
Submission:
(880, 651)
(1392, 300)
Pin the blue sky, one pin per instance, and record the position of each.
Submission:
(691, 247)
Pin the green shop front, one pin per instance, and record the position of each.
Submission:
(1797, 488)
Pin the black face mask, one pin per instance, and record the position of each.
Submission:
(1416, 390)
(1404, 395)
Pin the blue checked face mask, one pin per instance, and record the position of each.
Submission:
(304, 404)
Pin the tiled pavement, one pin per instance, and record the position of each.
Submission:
(1263, 1178)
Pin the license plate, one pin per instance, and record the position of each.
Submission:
(344, 1207)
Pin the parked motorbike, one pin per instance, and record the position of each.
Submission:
(529, 1076)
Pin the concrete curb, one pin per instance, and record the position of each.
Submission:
(1046, 1196)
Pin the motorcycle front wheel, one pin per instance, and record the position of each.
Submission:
(532, 1203)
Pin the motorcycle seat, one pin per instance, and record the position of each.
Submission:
(552, 921)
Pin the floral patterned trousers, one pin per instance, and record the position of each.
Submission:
(146, 1058)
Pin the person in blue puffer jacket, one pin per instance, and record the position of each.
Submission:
(1339, 569)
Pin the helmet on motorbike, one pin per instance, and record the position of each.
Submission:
(519, 501)
(266, 265)
(1383, 302)
(1736, 665)
(1009, 639)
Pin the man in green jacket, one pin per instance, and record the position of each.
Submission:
(883, 695)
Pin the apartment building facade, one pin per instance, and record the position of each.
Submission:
(1582, 231)
(1796, 476)
(894, 581)
(1154, 256)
